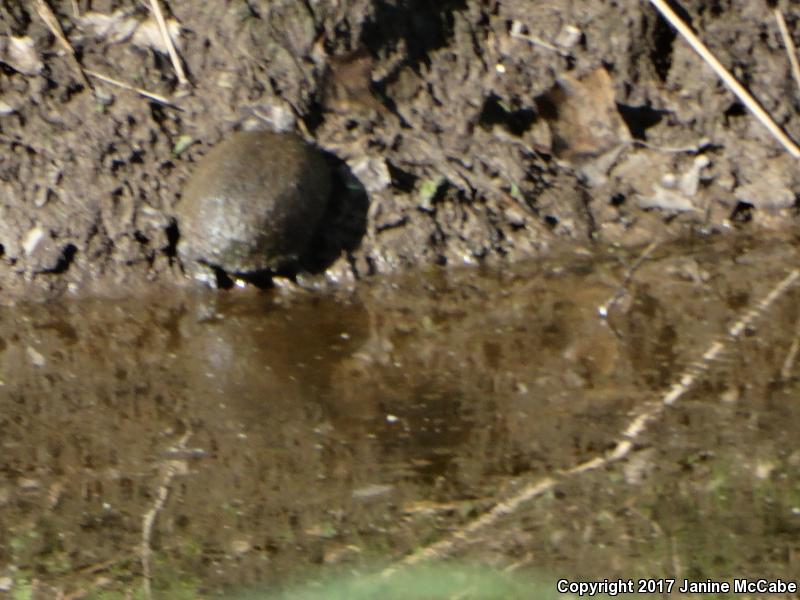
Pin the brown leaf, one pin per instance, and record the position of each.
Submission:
(348, 83)
(583, 116)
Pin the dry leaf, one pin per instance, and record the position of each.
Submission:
(347, 83)
(6, 108)
(118, 27)
(114, 28)
(20, 54)
(583, 116)
(148, 35)
(666, 199)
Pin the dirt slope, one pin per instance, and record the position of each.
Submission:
(479, 130)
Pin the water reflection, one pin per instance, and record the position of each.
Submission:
(328, 431)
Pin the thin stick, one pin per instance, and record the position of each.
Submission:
(46, 14)
(729, 80)
(789, 45)
(673, 149)
(516, 32)
(606, 307)
(122, 84)
(168, 472)
(173, 54)
(791, 355)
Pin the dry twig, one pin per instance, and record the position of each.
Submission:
(173, 54)
(606, 307)
(791, 355)
(46, 14)
(122, 84)
(789, 45)
(746, 98)
(516, 32)
(169, 470)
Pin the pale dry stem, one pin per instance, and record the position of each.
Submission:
(169, 470)
(173, 53)
(49, 18)
(140, 91)
(788, 43)
(609, 304)
(791, 355)
(729, 80)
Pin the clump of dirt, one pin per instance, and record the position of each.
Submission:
(459, 118)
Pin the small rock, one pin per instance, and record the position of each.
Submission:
(769, 184)
(666, 199)
(42, 197)
(568, 36)
(373, 173)
(279, 117)
(32, 239)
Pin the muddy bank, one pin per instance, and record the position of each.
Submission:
(480, 131)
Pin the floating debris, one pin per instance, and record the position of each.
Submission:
(36, 357)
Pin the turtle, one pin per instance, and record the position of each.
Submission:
(252, 205)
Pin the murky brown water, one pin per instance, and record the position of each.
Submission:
(250, 441)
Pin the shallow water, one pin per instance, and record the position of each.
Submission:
(250, 440)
